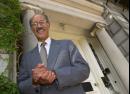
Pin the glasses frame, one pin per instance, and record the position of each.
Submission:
(41, 23)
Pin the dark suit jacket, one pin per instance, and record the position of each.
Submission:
(64, 58)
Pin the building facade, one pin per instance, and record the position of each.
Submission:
(85, 24)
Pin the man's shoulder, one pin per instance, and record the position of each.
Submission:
(33, 50)
(63, 41)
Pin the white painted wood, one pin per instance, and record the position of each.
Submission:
(106, 63)
(96, 71)
(118, 60)
(29, 38)
(56, 7)
(83, 5)
(4, 60)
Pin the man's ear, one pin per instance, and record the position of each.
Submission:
(48, 24)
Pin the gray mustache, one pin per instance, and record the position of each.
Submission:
(39, 29)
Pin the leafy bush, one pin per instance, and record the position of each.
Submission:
(7, 86)
(10, 29)
(10, 24)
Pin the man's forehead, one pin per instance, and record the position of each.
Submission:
(38, 17)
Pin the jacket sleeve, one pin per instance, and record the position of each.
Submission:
(24, 79)
(74, 74)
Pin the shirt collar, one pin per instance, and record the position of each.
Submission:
(48, 41)
(47, 46)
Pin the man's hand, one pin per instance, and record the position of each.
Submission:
(47, 78)
(41, 75)
(37, 72)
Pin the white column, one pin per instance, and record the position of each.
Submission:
(118, 60)
(29, 39)
(4, 61)
(12, 74)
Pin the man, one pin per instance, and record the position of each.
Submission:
(65, 68)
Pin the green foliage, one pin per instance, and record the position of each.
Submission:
(10, 24)
(7, 86)
(10, 29)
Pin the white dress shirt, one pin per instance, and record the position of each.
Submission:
(47, 46)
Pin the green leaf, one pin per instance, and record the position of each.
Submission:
(7, 86)
(10, 24)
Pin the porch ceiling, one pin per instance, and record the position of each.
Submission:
(66, 14)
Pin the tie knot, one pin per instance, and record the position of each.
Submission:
(43, 43)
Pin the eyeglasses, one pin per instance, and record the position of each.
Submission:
(41, 23)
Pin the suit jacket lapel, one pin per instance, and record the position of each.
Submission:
(53, 54)
(35, 57)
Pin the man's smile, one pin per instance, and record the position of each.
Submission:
(40, 30)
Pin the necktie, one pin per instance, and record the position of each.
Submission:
(43, 54)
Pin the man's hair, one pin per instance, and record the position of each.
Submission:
(43, 14)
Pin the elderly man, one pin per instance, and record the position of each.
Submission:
(60, 70)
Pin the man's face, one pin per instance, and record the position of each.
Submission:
(40, 27)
